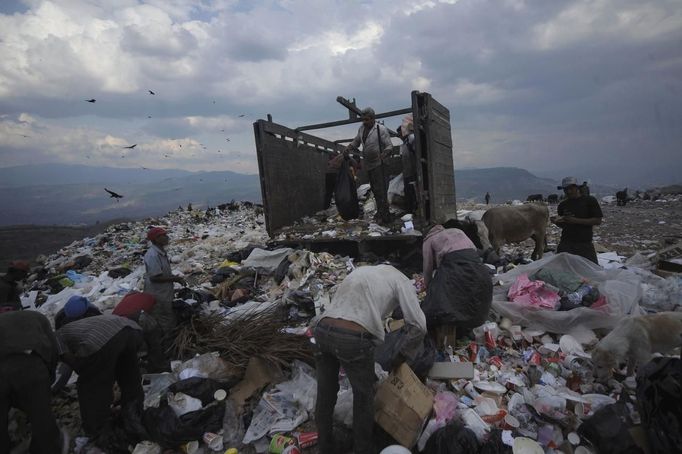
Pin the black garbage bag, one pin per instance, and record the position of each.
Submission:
(659, 398)
(493, 444)
(200, 388)
(452, 439)
(398, 347)
(608, 429)
(460, 293)
(282, 270)
(184, 312)
(345, 193)
(171, 431)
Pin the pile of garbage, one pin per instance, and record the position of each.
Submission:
(329, 224)
(243, 379)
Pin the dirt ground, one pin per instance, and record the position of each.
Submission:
(641, 226)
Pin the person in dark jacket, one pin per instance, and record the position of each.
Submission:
(28, 358)
(9, 289)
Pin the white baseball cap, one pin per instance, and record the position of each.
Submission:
(568, 181)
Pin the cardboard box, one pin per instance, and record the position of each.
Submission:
(402, 406)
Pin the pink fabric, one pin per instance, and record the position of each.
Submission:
(439, 242)
(533, 293)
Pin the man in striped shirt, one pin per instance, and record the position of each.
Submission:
(102, 350)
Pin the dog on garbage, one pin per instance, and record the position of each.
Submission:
(634, 340)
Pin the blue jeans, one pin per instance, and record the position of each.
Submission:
(355, 352)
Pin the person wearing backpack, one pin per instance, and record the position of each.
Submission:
(376, 146)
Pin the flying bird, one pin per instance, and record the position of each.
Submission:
(114, 195)
(242, 115)
(149, 116)
(151, 92)
(228, 139)
(131, 147)
(91, 100)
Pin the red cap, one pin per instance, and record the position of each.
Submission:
(155, 232)
(20, 265)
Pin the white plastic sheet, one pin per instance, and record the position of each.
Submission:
(621, 288)
(267, 261)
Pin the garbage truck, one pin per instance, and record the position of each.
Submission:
(292, 164)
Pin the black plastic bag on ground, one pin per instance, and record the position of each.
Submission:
(345, 193)
(398, 347)
(608, 430)
(452, 439)
(171, 431)
(460, 293)
(200, 388)
(659, 398)
(493, 444)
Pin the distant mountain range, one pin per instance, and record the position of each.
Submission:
(508, 183)
(59, 194)
(74, 195)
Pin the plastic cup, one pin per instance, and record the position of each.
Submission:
(214, 441)
(191, 447)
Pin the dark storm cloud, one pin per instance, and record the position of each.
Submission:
(589, 86)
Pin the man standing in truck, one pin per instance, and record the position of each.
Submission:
(376, 146)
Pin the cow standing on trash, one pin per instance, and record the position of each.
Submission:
(577, 214)
(346, 334)
(461, 292)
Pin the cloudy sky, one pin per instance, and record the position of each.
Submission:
(592, 88)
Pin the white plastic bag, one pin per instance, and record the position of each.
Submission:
(621, 288)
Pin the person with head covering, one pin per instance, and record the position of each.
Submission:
(76, 307)
(103, 350)
(28, 358)
(408, 155)
(137, 306)
(577, 214)
(10, 292)
(376, 147)
(460, 293)
(159, 279)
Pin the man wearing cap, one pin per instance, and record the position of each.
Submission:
(138, 306)
(10, 292)
(76, 308)
(577, 214)
(159, 279)
(102, 350)
(28, 357)
(376, 146)
(346, 334)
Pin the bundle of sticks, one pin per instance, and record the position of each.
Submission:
(237, 340)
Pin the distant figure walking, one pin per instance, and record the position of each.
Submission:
(487, 198)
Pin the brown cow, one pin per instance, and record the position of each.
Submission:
(513, 224)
